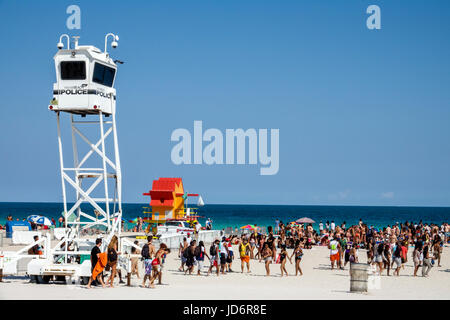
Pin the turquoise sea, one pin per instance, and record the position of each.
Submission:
(263, 215)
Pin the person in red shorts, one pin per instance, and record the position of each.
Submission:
(334, 247)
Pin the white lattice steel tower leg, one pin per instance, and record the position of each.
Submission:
(74, 176)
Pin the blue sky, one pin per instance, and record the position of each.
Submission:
(363, 114)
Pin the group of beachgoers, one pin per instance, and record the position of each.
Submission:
(107, 261)
(254, 246)
(387, 249)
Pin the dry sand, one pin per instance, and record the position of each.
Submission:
(318, 282)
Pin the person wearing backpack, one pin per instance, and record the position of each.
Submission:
(147, 253)
(112, 259)
(213, 251)
(189, 254)
(200, 254)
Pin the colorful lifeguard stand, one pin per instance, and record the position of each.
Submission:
(168, 200)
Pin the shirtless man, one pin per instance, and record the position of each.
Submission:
(148, 252)
(183, 246)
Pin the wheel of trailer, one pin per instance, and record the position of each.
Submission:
(84, 280)
(43, 279)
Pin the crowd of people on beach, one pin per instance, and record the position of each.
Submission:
(387, 249)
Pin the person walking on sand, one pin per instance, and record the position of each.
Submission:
(157, 263)
(244, 253)
(271, 243)
(283, 257)
(252, 243)
(259, 247)
(98, 263)
(267, 256)
(147, 254)
(223, 251)
(189, 254)
(378, 257)
(417, 256)
(397, 258)
(298, 253)
(112, 259)
(334, 252)
(230, 256)
(387, 257)
(200, 254)
(183, 246)
(437, 248)
(426, 266)
(135, 260)
(214, 260)
(404, 247)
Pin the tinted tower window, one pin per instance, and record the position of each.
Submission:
(103, 75)
(73, 70)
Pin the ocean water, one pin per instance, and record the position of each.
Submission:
(262, 215)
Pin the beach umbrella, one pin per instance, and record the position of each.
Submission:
(248, 226)
(305, 220)
(40, 220)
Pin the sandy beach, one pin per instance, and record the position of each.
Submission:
(318, 282)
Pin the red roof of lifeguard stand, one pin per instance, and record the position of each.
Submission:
(162, 193)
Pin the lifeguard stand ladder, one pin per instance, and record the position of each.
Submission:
(84, 86)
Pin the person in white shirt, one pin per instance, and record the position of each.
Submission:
(321, 227)
(334, 247)
(223, 249)
(197, 227)
(188, 238)
(333, 226)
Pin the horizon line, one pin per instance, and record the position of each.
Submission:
(255, 204)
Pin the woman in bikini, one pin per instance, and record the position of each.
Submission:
(266, 254)
(353, 253)
(157, 263)
(298, 253)
(260, 247)
(112, 259)
(252, 245)
(378, 256)
(387, 257)
(283, 257)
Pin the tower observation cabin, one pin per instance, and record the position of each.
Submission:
(84, 79)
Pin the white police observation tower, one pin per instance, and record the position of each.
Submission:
(85, 87)
(84, 97)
